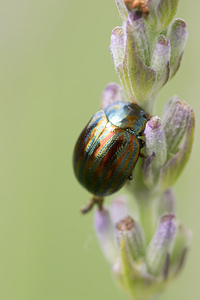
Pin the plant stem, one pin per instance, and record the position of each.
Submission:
(147, 217)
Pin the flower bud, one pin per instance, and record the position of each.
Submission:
(175, 122)
(142, 78)
(104, 232)
(167, 203)
(159, 247)
(177, 34)
(117, 49)
(147, 171)
(119, 209)
(178, 123)
(160, 62)
(141, 36)
(132, 274)
(180, 250)
(117, 46)
(161, 13)
(123, 10)
(133, 237)
(155, 142)
(112, 93)
(136, 77)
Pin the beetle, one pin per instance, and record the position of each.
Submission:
(108, 148)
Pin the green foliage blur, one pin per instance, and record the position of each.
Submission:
(54, 64)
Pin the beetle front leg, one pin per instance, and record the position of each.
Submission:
(94, 200)
(130, 177)
(142, 144)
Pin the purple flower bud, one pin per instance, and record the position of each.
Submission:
(112, 93)
(179, 122)
(156, 151)
(155, 142)
(160, 61)
(117, 46)
(117, 49)
(104, 231)
(177, 34)
(133, 237)
(160, 245)
(175, 122)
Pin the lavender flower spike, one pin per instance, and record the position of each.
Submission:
(147, 50)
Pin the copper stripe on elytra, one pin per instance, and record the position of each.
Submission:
(122, 169)
(108, 157)
(95, 160)
(87, 141)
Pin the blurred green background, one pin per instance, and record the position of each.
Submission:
(54, 64)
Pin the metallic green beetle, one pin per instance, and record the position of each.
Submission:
(108, 148)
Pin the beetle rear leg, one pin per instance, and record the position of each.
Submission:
(94, 200)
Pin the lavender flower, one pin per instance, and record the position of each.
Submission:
(147, 248)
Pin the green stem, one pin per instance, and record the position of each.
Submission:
(149, 105)
(147, 217)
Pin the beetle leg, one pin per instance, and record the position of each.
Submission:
(142, 143)
(130, 177)
(147, 116)
(94, 200)
(142, 155)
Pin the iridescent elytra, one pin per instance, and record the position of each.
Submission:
(108, 148)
